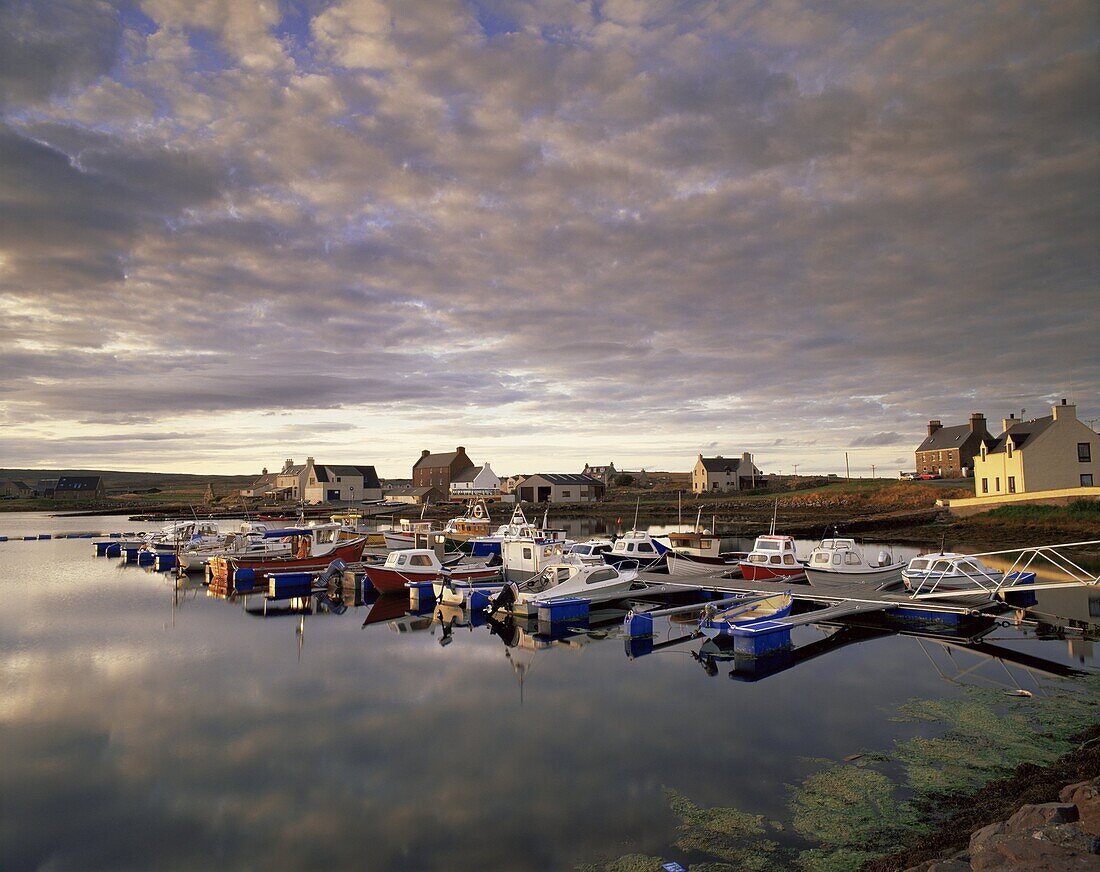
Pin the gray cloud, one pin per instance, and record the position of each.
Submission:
(688, 218)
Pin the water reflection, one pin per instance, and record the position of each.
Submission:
(147, 722)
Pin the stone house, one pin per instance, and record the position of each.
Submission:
(439, 470)
(950, 451)
(79, 487)
(719, 474)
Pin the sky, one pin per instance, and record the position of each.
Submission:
(238, 231)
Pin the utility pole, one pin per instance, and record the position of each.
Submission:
(847, 469)
(796, 469)
(872, 470)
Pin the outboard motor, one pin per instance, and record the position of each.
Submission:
(883, 558)
(505, 599)
(335, 570)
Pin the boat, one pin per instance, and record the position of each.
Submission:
(565, 580)
(948, 571)
(723, 621)
(405, 535)
(181, 534)
(518, 527)
(840, 559)
(590, 551)
(637, 548)
(473, 524)
(700, 553)
(772, 558)
(308, 555)
(410, 565)
(250, 541)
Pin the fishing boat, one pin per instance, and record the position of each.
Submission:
(772, 558)
(518, 527)
(307, 555)
(700, 553)
(948, 571)
(473, 524)
(250, 541)
(840, 559)
(565, 580)
(723, 621)
(639, 549)
(423, 564)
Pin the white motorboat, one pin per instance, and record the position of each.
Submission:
(639, 549)
(565, 580)
(843, 560)
(250, 541)
(181, 534)
(405, 535)
(518, 527)
(590, 551)
(948, 571)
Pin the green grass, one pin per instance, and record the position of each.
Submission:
(1083, 509)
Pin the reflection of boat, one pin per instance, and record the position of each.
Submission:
(843, 560)
(560, 581)
(722, 622)
(422, 564)
(946, 571)
(700, 553)
(637, 548)
(772, 557)
(386, 607)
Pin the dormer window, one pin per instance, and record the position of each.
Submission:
(1010, 448)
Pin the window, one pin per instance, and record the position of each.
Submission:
(565, 494)
(646, 547)
(420, 560)
(1010, 449)
(1084, 452)
(997, 484)
(852, 559)
(985, 485)
(1086, 479)
(788, 559)
(1012, 484)
(526, 553)
(836, 560)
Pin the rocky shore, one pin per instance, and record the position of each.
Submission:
(1055, 836)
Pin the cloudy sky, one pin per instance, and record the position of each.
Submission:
(234, 231)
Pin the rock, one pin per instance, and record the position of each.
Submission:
(1033, 817)
(1054, 848)
(1086, 796)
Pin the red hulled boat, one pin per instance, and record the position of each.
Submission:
(421, 564)
(310, 559)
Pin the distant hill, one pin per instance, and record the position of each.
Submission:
(117, 482)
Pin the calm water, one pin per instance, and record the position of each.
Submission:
(148, 724)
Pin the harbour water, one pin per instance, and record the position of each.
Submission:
(147, 724)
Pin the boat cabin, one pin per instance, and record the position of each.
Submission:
(414, 560)
(637, 544)
(837, 553)
(774, 551)
(702, 544)
(525, 558)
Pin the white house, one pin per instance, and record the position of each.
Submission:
(335, 484)
(477, 481)
(717, 474)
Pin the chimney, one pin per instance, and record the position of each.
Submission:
(977, 422)
(264, 472)
(1064, 412)
(1008, 422)
(746, 460)
(289, 463)
(460, 450)
(933, 426)
(425, 453)
(309, 461)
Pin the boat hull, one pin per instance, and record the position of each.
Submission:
(387, 580)
(349, 552)
(728, 621)
(646, 564)
(880, 577)
(766, 572)
(686, 564)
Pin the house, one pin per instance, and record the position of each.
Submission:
(718, 474)
(508, 485)
(415, 496)
(949, 451)
(79, 487)
(290, 483)
(1053, 453)
(335, 484)
(554, 487)
(606, 474)
(16, 488)
(45, 487)
(263, 486)
(477, 481)
(439, 470)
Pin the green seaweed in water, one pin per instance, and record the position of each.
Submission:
(727, 834)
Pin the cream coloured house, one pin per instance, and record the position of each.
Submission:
(477, 481)
(1052, 453)
(717, 474)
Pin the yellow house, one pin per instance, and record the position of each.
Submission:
(717, 474)
(1050, 453)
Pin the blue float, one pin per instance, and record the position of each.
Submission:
(3, 538)
(638, 626)
(113, 550)
(758, 638)
(244, 580)
(283, 585)
(1020, 599)
(101, 548)
(568, 609)
(479, 601)
(165, 561)
(421, 595)
(146, 558)
(30, 538)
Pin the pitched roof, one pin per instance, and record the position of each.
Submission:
(436, 460)
(321, 472)
(566, 478)
(948, 437)
(264, 479)
(721, 464)
(467, 474)
(370, 477)
(78, 483)
(411, 491)
(1021, 433)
